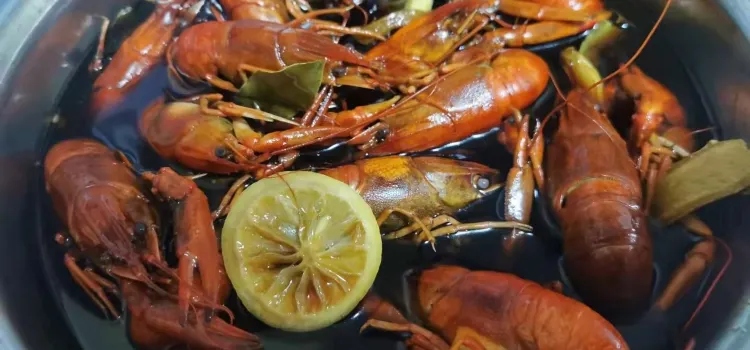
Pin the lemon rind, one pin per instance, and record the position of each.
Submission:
(275, 186)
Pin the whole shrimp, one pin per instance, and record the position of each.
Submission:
(220, 53)
(108, 218)
(470, 100)
(112, 224)
(595, 193)
(493, 310)
(138, 54)
(425, 190)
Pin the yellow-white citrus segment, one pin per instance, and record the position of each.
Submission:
(301, 249)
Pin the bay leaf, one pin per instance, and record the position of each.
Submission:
(718, 170)
(285, 92)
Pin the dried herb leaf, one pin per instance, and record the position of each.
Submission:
(716, 171)
(285, 92)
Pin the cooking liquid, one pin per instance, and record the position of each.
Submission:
(537, 257)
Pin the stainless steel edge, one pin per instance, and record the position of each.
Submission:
(734, 332)
(42, 43)
(712, 40)
(20, 18)
(740, 11)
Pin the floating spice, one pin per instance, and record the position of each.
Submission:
(718, 170)
(285, 92)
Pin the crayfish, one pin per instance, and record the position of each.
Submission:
(139, 53)
(113, 225)
(427, 190)
(493, 310)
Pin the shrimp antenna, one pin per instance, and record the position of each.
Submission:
(699, 131)
(557, 87)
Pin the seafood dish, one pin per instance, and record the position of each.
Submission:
(467, 174)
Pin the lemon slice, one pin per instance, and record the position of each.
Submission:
(301, 249)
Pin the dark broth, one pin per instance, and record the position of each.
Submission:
(537, 257)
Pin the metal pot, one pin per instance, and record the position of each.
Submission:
(44, 41)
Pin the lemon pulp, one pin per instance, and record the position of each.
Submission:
(301, 249)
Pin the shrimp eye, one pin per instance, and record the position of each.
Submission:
(139, 228)
(381, 134)
(105, 258)
(338, 71)
(482, 182)
(221, 152)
